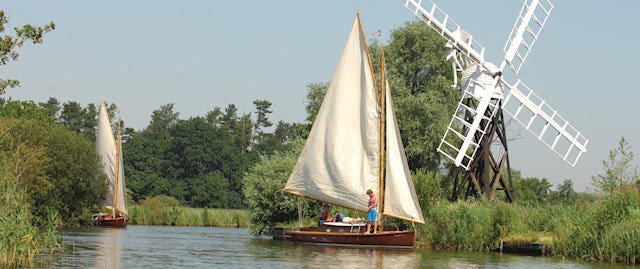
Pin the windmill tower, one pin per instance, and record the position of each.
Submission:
(475, 139)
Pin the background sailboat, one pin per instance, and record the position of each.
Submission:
(110, 153)
(343, 154)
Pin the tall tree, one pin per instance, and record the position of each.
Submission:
(9, 44)
(78, 119)
(315, 95)
(214, 117)
(230, 117)
(162, 119)
(420, 78)
(52, 105)
(262, 119)
(619, 169)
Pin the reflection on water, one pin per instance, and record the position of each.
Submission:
(207, 247)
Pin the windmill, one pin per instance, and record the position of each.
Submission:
(475, 139)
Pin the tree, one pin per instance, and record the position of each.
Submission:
(78, 119)
(162, 119)
(315, 95)
(9, 45)
(52, 105)
(262, 119)
(619, 170)
(565, 193)
(214, 117)
(262, 187)
(531, 190)
(420, 78)
(58, 169)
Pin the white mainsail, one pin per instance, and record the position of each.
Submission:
(400, 199)
(340, 159)
(111, 159)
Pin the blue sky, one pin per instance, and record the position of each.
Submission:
(202, 54)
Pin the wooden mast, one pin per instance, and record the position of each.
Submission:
(380, 98)
(116, 183)
(383, 116)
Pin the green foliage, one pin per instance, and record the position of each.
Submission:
(10, 43)
(157, 210)
(315, 95)
(619, 169)
(80, 120)
(420, 79)
(144, 214)
(162, 119)
(565, 193)
(607, 230)
(531, 190)
(263, 186)
(428, 189)
(58, 169)
(460, 226)
(21, 239)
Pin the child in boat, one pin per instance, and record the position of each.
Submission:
(372, 212)
(323, 214)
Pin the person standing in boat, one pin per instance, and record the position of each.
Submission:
(323, 214)
(372, 212)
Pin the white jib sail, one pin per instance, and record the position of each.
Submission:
(340, 159)
(106, 147)
(400, 199)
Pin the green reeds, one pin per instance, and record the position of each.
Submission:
(187, 216)
(21, 240)
(606, 230)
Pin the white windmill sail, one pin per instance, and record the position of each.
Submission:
(400, 199)
(111, 158)
(461, 139)
(340, 159)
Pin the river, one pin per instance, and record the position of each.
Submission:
(212, 247)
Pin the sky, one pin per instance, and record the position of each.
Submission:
(200, 55)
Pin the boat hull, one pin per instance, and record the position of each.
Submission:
(395, 239)
(108, 221)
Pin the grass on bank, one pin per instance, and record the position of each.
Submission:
(187, 216)
(606, 230)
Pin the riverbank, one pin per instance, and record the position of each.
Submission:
(605, 230)
(188, 216)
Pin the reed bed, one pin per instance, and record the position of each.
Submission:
(21, 239)
(187, 216)
(607, 230)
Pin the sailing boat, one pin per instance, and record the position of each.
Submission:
(110, 153)
(344, 155)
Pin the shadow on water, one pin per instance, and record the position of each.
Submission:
(210, 247)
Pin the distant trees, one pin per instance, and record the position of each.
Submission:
(201, 161)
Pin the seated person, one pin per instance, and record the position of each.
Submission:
(339, 216)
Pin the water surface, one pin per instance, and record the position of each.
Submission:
(212, 247)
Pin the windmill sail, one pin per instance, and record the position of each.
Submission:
(464, 134)
(341, 157)
(111, 159)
